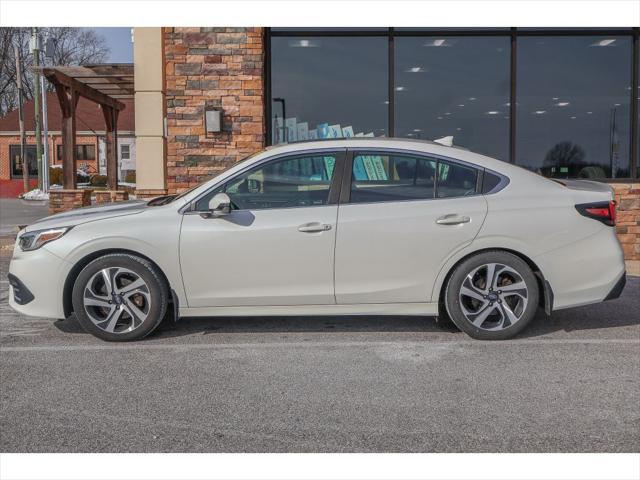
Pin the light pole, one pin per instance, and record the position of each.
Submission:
(48, 54)
(35, 50)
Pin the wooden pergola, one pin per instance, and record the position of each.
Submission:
(103, 84)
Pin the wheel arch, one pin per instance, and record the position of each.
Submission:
(544, 288)
(67, 304)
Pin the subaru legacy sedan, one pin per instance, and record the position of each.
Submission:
(359, 226)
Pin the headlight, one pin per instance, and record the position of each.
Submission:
(37, 238)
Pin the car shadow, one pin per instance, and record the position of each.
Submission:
(621, 312)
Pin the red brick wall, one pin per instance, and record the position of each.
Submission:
(628, 223)
(212, 67)
(54, 140)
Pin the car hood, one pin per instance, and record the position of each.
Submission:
(89, 214)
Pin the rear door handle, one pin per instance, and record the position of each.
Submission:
(314, 227)
(453, 219)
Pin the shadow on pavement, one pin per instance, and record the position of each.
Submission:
(616, 313)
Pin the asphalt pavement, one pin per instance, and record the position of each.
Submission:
(324, 384)
(15, 212)
(570, 383)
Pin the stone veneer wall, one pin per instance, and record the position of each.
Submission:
(212, 67)
(628, 223)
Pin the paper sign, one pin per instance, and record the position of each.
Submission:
(303, 131)
(292, 131)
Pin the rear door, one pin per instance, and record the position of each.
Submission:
(400, 217)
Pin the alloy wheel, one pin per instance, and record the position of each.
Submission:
(117, 300)
(493, 296)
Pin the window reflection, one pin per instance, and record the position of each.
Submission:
(573, 109)
(455, 86)
(328, 87)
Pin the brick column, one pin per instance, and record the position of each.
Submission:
(628, 223)
(149, 193)
(109, 196)
(212, 67)
(62, 200)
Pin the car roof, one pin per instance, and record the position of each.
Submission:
(405, 144)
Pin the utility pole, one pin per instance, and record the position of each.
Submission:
(48, 53)
(23, 158)
(35, 49)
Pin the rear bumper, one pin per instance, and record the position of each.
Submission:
(617, 289)
(587, 271)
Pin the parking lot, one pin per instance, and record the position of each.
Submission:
(323, 384)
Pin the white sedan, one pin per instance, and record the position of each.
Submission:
(346, 227)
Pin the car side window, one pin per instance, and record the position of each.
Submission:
(455, 180)
(301, 181)
(391, 177)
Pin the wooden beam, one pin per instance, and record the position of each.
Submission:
(111, 145)
(68, 100)
(57, 77)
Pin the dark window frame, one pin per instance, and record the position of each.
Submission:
(27, 147)
(513, 34)
(79, 147)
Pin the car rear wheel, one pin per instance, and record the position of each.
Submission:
(120, 297)
(492, 295)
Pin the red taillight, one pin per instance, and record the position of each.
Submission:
(602, 211)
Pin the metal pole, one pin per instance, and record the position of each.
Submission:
(36, 97)
(45, 128)
(23, 158)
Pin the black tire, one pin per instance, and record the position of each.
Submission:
(523, 304)
(154, 296)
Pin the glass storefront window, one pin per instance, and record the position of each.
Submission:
(455, 86)
(328, 87)
(573, 105)
(16, 161)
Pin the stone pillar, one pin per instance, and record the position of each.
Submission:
(628, 223)
(62, 200)
(212, 67)
(110, 196)
(149, 84)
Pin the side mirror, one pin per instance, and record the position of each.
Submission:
(219, 205)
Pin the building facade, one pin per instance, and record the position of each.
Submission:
(563, 103)
(90, 143)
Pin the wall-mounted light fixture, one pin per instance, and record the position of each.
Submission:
(212, 120)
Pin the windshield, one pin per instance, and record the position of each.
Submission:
(165, 199)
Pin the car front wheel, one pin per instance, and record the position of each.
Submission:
(492, 295)
(120, 297)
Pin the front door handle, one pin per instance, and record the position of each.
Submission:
(314, 227)
(453, 219)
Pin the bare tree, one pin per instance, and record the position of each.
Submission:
(72, 46)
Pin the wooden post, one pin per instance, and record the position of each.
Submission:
(111, 145)
(23, 156)
(68, 101)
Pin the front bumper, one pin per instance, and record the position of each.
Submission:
(42, 275)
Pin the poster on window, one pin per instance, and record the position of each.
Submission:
(278, 134)
(347, 132)
(335, 131)
(292, 130)
(303, 131)
(323, 130)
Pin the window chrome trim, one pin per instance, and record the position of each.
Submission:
(345, 199)
(189, 207)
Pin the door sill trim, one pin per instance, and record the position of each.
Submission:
(426, 309)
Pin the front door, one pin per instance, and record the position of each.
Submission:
(403, 217)
(276, 247)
